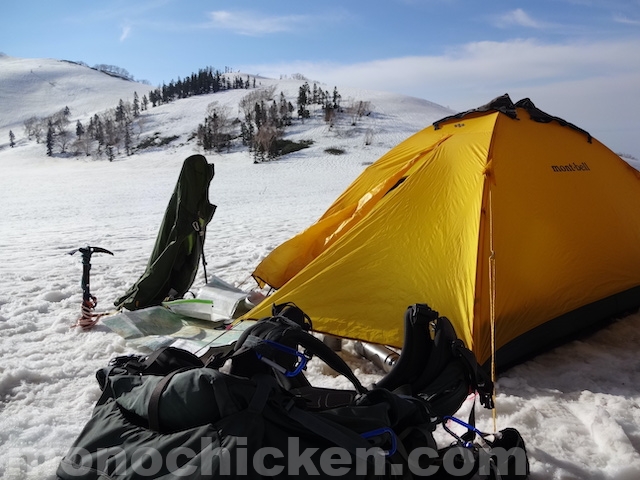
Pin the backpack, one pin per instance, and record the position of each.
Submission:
(169, 415)
(434, 364)
(173, 263)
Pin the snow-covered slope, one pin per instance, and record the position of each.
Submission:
(578, 407)
(41, 87)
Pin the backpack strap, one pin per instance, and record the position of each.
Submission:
(318, 398)
(314, 346)
(327, 429)
(291, 311)
(271, 345)
(479, 377)
(440, 355)
(435, 364)
(156, 395)
(265, 384)
(166, 359)
(416, 349)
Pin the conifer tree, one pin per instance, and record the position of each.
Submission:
(284, 111)
(136, 105)
(98, 129)
(120, 112)
(12, 139)
(50, 136)
(336, 98)
(127, 140)
(303, 101)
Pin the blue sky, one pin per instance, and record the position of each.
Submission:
(578, 59)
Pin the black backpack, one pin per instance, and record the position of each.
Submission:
(169, 416)
(435, 365)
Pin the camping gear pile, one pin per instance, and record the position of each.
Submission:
(170, 416)
(501, 216)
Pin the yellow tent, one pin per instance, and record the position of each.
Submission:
(502, 218)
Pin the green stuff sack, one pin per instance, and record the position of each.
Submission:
(174, 261)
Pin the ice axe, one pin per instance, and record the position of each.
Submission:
(89, 302)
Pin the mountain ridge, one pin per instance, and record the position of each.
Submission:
(41, 87)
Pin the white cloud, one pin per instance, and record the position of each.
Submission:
(626, 20)
(474, 65)
(118, 10)
(126, 30)
(255, 24)
(581, 82)
(519, 18)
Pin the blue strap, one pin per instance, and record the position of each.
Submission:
(382, 431)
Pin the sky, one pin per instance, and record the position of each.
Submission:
(577, 59)
(576, 406)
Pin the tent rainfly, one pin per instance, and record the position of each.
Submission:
(518, 226)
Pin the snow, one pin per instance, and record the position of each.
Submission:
(577, 407)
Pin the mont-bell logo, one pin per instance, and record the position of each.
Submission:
(571, 167)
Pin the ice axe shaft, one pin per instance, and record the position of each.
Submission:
(86, 268)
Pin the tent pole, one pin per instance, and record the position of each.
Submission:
(492, 308)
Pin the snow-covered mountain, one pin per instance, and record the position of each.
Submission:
(41, 87)
(577, 407)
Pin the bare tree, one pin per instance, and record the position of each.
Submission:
(140, 124)
(62, 138)
(265, 140)
(358, 109)
(35, 127)
(112, 135)
(83, 145)
(217, 131)
(248, 102)
(368, 137)
(113, 70)
(330, 115)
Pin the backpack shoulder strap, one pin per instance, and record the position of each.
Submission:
(423, 358)
(416, 349)
(314, 346)
(272, 345)
(480, 378)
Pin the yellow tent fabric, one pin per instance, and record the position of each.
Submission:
(557, 211)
